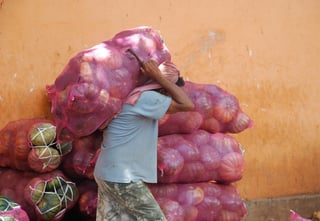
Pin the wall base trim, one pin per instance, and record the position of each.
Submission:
(278, 209)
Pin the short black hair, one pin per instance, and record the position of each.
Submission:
(180, 82)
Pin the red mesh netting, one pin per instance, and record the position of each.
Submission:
(200, 156)
(43, 196)
(90, 89)
(10, 210)
(199, 202)
(216, 110)
(30, 144)
(180, 202)
(80, 162)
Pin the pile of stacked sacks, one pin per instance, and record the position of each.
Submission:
(197, 160)
(196, 166)
(29, 171)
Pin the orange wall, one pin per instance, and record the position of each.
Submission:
(265, 52)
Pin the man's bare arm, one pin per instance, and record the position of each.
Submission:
(180, 100)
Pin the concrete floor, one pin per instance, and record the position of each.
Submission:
(278, 209)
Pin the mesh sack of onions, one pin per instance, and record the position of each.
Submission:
(30, 144)
(180, 123)
(220, 111)
(80, 162)
(199, 156)
(90, 90)
(45, 196)
(11, 211)
(199, 202)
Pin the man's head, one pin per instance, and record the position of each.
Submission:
(169, 71)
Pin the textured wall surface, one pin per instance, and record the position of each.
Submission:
(265, 52)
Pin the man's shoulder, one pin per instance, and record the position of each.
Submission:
(150, 92)
(147, 95)
(153, 98)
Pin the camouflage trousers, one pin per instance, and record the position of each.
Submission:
(126, 202)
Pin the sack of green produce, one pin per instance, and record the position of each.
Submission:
(11, 211)
(30, 145)
(51, 194)
(45, 196)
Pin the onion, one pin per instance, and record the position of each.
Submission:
(239, 123)
(190, 195)
(109, 57)
(21, 148)
(172, 210)
(224, 143)
(170, 162)
(5, 140)
(120, 86)
(210, 208)
(180, 123)
(230, 202)
(190, 213)
(232, 167)
(226, 215)
(193, 171)
(225, 107)
(86, 72)
(81, 97)
(88, 203)
(209, 157)
(187, 150)
(212, 190)
(211, 125)
(200, 137)
(164, 190)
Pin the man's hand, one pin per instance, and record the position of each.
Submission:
(180, 100)
(150, 69)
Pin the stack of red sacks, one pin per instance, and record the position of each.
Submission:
(196, 167)
(198, 160)
(197, 157)
(29, 162)
(10, 210)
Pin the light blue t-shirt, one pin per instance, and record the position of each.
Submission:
(129, 147)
